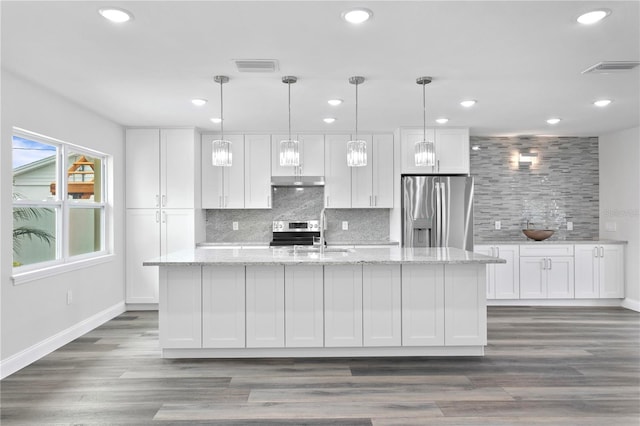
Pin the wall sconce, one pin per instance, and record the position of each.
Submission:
(527, 159)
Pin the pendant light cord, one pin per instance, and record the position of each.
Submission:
(221, 114)
(289, 87)
(356, 138)
(424, 114)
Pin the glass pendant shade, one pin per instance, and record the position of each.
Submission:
(356, 153)
(289, 152)
(425, 154)
(221, 154)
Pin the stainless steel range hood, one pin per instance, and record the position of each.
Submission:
(297, 180)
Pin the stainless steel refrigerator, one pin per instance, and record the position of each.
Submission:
(437, 211)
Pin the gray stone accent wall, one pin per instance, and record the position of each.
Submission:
(561, 185)
(296, 203)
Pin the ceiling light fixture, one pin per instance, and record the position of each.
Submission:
(424, 150)
(216, 120)
(356, 148)
(357, 16)
(198, 102)
(553, 120)
(442, 120)
(115, 14)
(289, 148)
(602, 102)
(334, 102)
(221, 154)
(468, 103)
(593, 16)
(329, 120)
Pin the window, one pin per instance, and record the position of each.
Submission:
(59, 208)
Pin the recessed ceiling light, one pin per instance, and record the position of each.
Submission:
(334, 102)
(115, 14)
(602, 102)
(468, 103)
(357, 16)
(553, 120)
(329, 120)
(442, 120)
(216, 120)
(198, 102)
(593, 16)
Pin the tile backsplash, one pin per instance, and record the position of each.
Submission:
(560, 184)
(296, 203)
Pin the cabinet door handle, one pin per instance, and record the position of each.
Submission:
(601, 251)
(268, 200)
(544, 263)
(164, 217)
(370, 201)
(375, 200)
(595, 252)
(157, 217)
(164, 200)
(498, 250)
(327, 203)
(157, 200)
(438, 166)
(550, 264)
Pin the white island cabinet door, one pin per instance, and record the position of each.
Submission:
(180, 309)
(265, 306)
(303, 301)
(343, 305)
(381, 305)
(223, 309)
(465, 322)
(422, 305)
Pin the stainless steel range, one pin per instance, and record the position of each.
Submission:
(299, 232)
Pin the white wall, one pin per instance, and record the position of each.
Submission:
(34, 315)
(620, 202)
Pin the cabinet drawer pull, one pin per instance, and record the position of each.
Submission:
(164, 201)
(550, 264)
(157, 217)
(595, 252)
(157, 200)
(601, 251)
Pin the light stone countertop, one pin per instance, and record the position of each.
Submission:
(329, 243)
(284, 256)
(527, 241)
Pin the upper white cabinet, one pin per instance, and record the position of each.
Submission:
(337, 174)
(451, 150)
(372, 185)
(503, 280)
(160, 168)
(599, 271)
(257, 171)
(223, 187)
(311, 156)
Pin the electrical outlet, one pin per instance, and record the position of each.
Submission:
(235, 226)
(345, 225)
(569, 226)
(610, 226)
(498, 225)
(69, 297)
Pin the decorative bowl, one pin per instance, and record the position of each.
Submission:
(538, 234)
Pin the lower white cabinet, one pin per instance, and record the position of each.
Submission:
(422, 305)
(465, 308)
(503, 280)
(546, 277)
(381, 305)
(265, 306)
(223, 307)
(343, 305)
(599, 271)
(180, 309)
(304, 305)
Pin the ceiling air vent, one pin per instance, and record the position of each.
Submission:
(256, 65)
(611, 66)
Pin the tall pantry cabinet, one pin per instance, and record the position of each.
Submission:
(162, 193)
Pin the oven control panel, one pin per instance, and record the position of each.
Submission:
(296, 226)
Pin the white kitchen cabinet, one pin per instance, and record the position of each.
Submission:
(465, 307)
(337, 174)
(372, 185)
(311, 149)
(451, 150)
(265, 306)
(223, 307)
(160, 168)
(381, 305)
(152, 233)
(257, 171)
(549, 277)
(503, 280)
(180, 309)
(343, 305)
(422, 305)
(223, 187)
(599, 271)
(304, 305)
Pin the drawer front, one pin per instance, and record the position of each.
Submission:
(546, 250)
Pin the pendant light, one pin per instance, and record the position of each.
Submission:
(356, 148)
(424, 149)
(290, 148)
(221, 153)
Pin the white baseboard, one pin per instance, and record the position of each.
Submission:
(142, 306)
(634, 305)
(554, 302)
(35, 352)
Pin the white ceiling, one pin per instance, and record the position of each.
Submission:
(522, 61)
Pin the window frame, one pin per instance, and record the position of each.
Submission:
(62, 205)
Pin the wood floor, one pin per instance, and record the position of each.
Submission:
(552, 366)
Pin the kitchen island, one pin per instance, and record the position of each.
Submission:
(281, 302)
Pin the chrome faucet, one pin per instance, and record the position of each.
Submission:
(323, 223)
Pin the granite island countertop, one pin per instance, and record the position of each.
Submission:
(285, 256)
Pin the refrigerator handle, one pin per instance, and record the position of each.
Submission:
(438, 215)
(445, 196)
